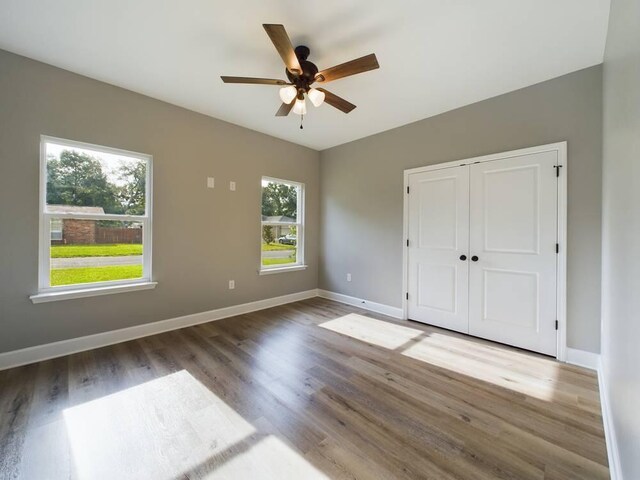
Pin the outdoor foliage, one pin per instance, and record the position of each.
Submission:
(276, 247)
(92, 250)
(267, 234)
(278, 261)
(79, 179)
(279, 199)
(72, 276)
(132, 193)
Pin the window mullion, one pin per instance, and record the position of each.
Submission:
(98, 217)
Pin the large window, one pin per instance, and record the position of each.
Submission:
(282, 245)
(95, 216)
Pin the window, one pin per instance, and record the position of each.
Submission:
(56, 229)
(95, 217)
(282, 244)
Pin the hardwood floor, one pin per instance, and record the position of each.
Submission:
(314, 389)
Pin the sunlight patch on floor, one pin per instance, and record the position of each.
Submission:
(484, 362)
(370, 330)
(495, 374)
(171, 427)
(269, 458)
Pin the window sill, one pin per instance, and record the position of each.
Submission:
(90, 292)
(270, 271)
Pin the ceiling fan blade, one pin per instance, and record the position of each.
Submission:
(359, 65)
(281, 41)
(284, 109)
(337, 102)
(255, 81)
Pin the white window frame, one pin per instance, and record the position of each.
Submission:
(48, 293)
(299, 265)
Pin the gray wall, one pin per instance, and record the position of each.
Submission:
(202, 238)
(621, 229)
(361, 188)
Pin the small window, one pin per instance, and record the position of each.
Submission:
(95, 216)
(56, 230)
(282, 242)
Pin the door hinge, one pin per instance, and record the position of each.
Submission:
(556, 324)
(557, 167)
(557, 248)
(407, 296)
(407, 242)
(407, 189)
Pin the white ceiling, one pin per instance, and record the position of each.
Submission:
(435, 55)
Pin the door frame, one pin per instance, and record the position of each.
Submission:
(561, 264)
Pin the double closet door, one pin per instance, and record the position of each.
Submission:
(482, 250)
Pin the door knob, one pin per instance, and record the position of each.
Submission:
(475, 258)
(463, 257)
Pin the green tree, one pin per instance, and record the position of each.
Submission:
(132, 194)
(267, 234)
(78, 179)
(279, 199)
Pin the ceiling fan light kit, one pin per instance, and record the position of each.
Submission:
(300, 107)
(316, 96)
(302, 73)
(288, 94)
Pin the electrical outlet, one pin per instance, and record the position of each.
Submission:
(348, 277)
(232, 284)
(232, 186)
(211, 182)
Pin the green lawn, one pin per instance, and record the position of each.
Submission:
(71, 276)
(93, 250)
(276, 246)
(277, 261)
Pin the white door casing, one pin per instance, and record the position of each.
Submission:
(513, 233)
(438, 235)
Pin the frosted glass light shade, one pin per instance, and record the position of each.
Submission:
(300, 107)
(287, 94)
(316, 97)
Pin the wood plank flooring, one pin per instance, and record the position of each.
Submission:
(313, 389)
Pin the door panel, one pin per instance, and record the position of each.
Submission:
(437, 287)
(437, 226)
(513, 232)
(438, 236)
(514, 229)
(520, 307)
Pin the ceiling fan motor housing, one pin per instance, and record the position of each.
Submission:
(309, 70)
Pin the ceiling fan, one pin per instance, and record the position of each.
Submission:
(302, 74)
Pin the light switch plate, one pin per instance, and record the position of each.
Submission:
(211, 182)
(348, 277)
(232, 186)
(232, 284)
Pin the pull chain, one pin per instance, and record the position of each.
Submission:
(301, 119)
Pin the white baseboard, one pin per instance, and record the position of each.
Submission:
(582, 358)
(89, 342)
(615, 467)
(359, 302)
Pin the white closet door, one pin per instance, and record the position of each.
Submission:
(513, 234)
(438, 237)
